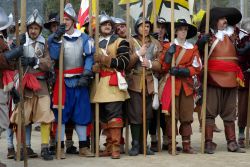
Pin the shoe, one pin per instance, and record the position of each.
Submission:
(45, 154)
(148, 151)
(85, 152)
(135, 148)
(52, 150)
(154, 146)
(241, 143)
(11, 153)
(72, 150)
(31, 153)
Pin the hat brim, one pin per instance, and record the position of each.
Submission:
(232, 15)
(192, 30)
(8, 24)
(47, 25)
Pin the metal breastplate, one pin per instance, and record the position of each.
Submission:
(73, 54)
(37, 51)
(31, 51)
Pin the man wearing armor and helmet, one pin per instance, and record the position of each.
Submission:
(36, 61)
(243, 48)
(146, 57)
(78, 61)
(7, 60)
(113, 57)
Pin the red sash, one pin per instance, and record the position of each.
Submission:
(166, 97)
(113, 81)
(8, 80)
(30, 81)
(224, 66)
(56, 87)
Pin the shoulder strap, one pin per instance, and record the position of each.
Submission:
(180, 56)
(213, 46)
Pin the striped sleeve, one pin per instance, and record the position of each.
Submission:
(122, 60)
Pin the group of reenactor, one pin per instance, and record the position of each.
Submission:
(120, 61)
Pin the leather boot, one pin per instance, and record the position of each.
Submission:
(135, 133)
(232, 145)
(108, 145)
(169, 134)
(115, 126)
(135, 148)
(186, 144)
(116, 136)
(209, 145)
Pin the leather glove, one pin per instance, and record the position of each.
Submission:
(180, 72)
(60, 31)
(29, 61)
(85, 79)
(205, 38)
(96, 68)
(104, 60)
(202, 41)
(14, 53)
(245, 49)
(15, 95)
(22, 38)
(169, 54)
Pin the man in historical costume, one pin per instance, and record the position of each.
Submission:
(146, 57)
(161, 36)
(187, 64)
(53, 22)
(243, 48)
(78, 61)
(36, 61)
(111, 59)
(6, 63)
(52, 25)
(224, 75)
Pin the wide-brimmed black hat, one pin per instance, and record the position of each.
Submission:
(192, 30)
(232, 15)
(53, 17)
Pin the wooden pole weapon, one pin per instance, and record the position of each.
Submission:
(204, 98)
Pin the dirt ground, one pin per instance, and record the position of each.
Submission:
(219, 159)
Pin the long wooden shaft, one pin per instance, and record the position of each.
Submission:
(96, 82)
(128, 37)
(91, 35)
(59, 121)
(173, 84)
(144, 87)
(21, 119)
(204, 98)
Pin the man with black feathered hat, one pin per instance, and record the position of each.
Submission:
(224, 75)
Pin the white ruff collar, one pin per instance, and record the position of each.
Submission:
(29, 41)
(107, 38)
(221, 33)
(77, 33)
(186, 45)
